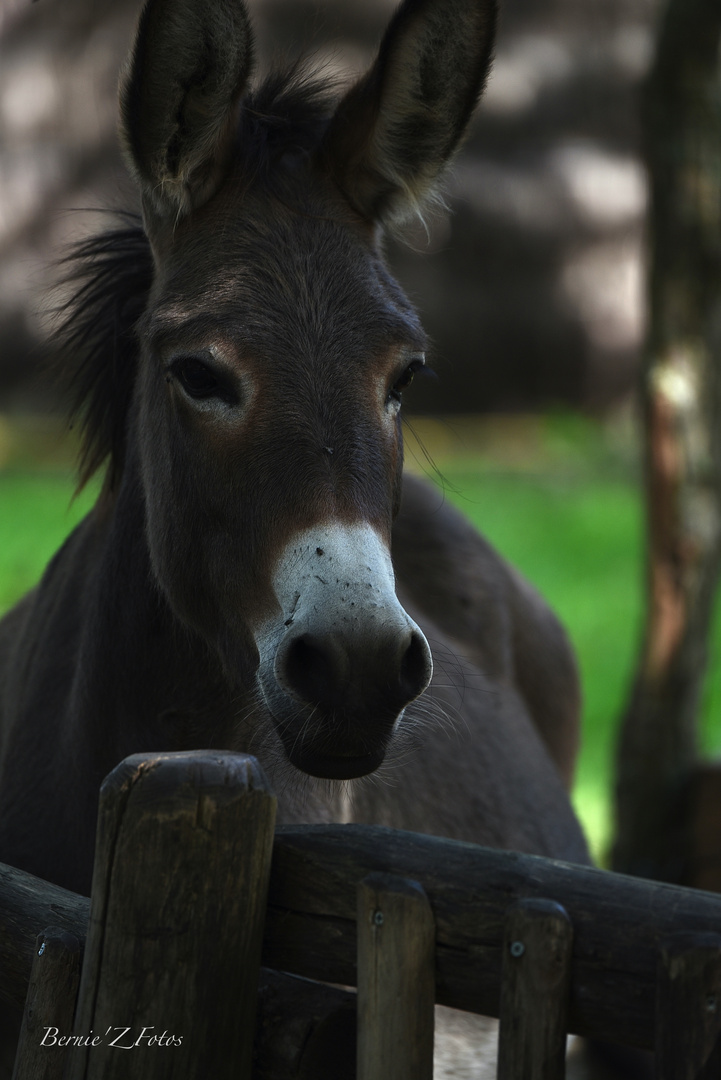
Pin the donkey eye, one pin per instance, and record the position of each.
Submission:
(405, 380)
(196, 378)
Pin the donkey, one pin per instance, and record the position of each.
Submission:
(256, 575)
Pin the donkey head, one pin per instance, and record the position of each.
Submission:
(275, 348)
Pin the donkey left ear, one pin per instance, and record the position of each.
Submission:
(179, 98)
(396, 129)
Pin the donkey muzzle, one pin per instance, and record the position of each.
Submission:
(344, 659)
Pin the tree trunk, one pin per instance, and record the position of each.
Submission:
(681, 400)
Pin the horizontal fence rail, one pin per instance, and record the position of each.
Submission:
(27, 906)
(621, 925)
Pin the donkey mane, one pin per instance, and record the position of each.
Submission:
(286, 114)
(111, 274)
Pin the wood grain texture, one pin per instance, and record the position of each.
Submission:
(49, 1006)
(27, 905)
(688, 1009)
(619, 922)
(396, 979)
(536, 979)
(304, 1030)
(176, 919)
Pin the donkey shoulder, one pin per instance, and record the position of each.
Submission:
(496, 618)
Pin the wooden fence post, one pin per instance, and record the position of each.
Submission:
(396, 980)
(170, 975)
(688, 1009)
(536, 978)
(49, 1006)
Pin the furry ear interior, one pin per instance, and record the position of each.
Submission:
(179, 98)
(396, 129)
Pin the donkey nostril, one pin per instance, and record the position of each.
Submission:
(337, 673)
(416, 666)
(311, 668)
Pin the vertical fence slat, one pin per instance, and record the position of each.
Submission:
(688, 1009)
(170, 976)
(49, 1006)
(536, 976)
(396, 980)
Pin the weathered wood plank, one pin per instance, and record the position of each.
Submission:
(27, 905)
(49, 1006)
(171, 967)
(304, 1029)
(619, 922)
(300, 1026)
(396, 969)
(536, 978)
(688, 1009)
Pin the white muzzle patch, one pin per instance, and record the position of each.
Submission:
(339, 579)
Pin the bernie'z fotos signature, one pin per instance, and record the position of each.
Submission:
(122, 1038)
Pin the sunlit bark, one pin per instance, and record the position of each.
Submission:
(681, 399)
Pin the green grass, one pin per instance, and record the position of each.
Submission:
(710, 720)
(37, 511)
(579, 540)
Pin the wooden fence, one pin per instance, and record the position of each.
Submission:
(157, 975)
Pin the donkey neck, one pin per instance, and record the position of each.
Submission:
(155, 680)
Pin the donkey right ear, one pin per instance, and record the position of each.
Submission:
(396, 129)
(179, 98)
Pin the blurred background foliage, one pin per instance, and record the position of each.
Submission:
(530, 282)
